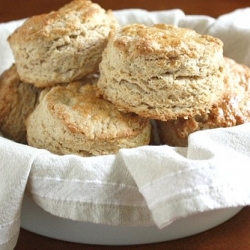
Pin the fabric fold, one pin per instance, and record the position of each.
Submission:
(233, 30)
(212, 173)
(95, 189)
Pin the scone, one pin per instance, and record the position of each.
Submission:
(233, 109)
(61, 46)
(73, 120)
(161, 72)
(17, 101)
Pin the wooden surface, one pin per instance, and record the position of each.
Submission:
(16, 9)
(233, 234)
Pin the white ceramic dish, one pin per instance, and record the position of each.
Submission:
(36, 220)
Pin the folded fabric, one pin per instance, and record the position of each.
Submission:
(151, 185)
(211, 173)
(15, 165)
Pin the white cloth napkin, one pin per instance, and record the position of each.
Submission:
(212, 172)
(15, 164)
(137, 187)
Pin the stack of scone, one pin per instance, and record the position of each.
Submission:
(176, 77)
(57, 55)
(87, 86)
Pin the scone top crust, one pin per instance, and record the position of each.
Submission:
(83, 113)
(68, 19)
(163, 38)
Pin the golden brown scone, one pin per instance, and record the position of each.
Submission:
(17, 101)
(161, 72)
(61, 46)
(233, 109)
(73, 120)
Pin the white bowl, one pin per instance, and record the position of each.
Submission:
(38, 221)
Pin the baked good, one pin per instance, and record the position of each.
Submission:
(17, 101)
(233, 109)
(63, 45)
(73, 120)
(161, 72)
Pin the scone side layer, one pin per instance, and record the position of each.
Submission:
(231, 110)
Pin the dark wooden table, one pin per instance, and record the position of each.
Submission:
(16, 9)
(233, 234)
